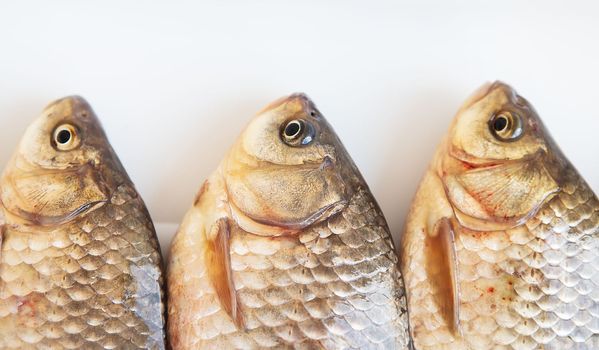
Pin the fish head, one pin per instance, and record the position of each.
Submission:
(67, 134)
(288, 168)
(498, 162)
(496, 124)
(63, 167)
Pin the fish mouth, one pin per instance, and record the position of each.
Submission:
(485, 90)
(299, 97)
(74, 105)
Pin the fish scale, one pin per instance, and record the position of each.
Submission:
(93, 283)
(328, 287)
(553, 266)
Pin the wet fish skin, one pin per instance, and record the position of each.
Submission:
(80, 265)
(502, 240)
(285, 247)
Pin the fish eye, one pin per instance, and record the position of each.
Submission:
(506, 126)
(65, 137)
(297, 132)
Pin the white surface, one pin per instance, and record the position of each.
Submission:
(175, 82)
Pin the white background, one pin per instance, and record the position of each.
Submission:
(175, 82)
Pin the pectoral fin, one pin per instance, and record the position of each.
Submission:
(218, 261)
(442, 271)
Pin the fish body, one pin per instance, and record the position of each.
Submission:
(501, 246)
(285, 247)
(80, 265)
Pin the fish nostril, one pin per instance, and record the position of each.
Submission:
(327, 163)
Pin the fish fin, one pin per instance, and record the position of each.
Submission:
(442, 271)
(218, 260)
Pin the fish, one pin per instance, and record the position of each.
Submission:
(285, 247)
(501, 243)
(80, 264)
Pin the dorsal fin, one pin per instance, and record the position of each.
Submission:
(442, 271)
(218, 260)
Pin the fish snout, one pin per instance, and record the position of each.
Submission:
(298, 101)
(486, 90)
(69, 106)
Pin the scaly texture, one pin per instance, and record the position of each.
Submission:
(526, 228)
(93, 283)
(333, 286)
(533, 287)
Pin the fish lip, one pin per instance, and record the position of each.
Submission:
(303, 97)
(307, 103)
(486, 89)
(478, 95)
(77, 103)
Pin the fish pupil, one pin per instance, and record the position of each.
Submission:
(292, 129)
(500, 123)
(63, 137)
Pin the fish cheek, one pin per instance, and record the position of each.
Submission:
(501, 196)
(285, 197)
(52, 197)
